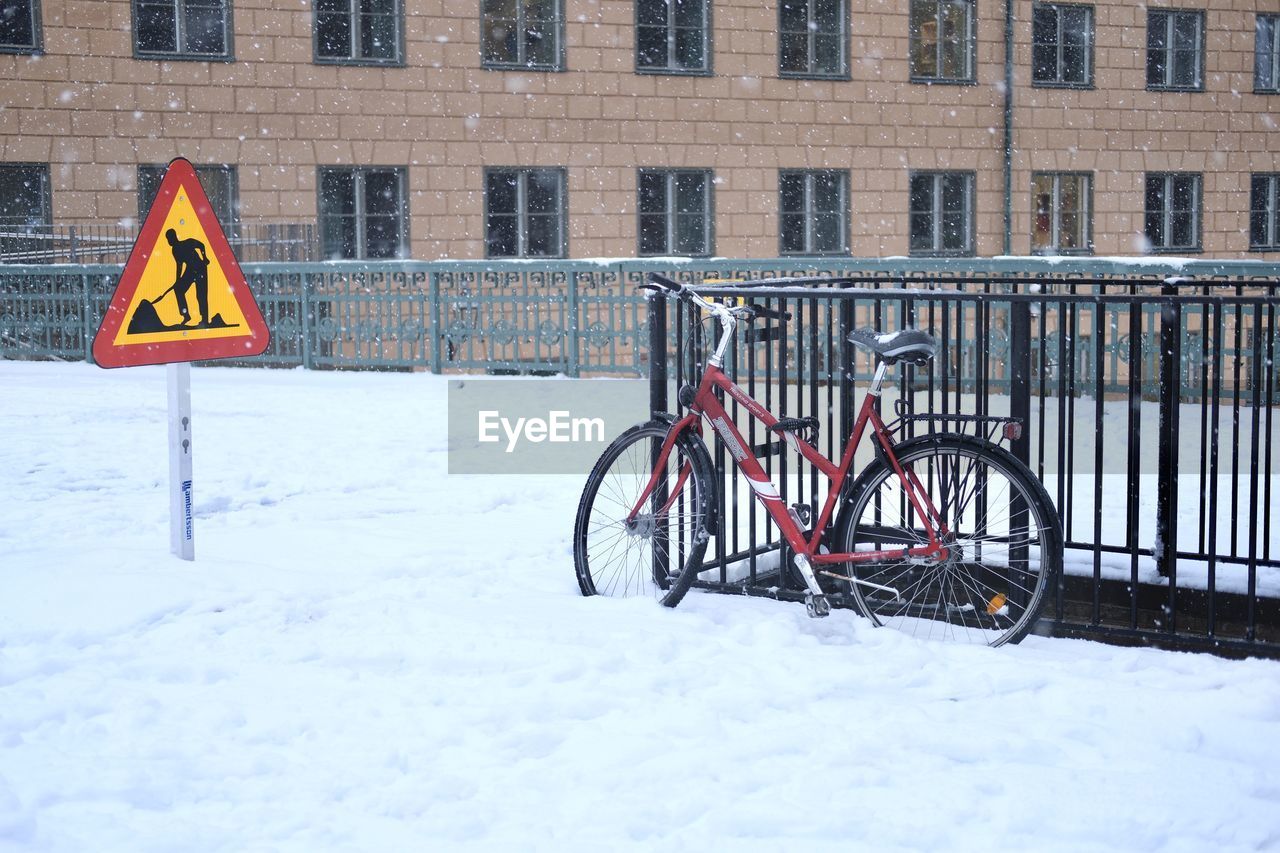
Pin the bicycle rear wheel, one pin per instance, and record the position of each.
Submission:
(1004, 545)
(659, 552)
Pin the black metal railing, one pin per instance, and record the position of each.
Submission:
(1168, 489)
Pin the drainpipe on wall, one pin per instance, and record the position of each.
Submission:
(1008, 127)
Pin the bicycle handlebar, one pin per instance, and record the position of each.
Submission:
(661, 284)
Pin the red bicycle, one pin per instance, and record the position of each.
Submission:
(945, 535)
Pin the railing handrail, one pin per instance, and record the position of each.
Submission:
(996, 270)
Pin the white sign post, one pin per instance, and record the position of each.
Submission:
(182, 540)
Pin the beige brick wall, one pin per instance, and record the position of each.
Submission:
(93, 112)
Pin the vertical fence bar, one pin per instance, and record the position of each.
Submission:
(434, 330)
(657, 306)
(1020, 375)
(573, 338)
(304, 313)
(1165, 549)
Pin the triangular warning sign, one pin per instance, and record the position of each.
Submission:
(181, 296)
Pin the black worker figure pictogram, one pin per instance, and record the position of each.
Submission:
(193, 268)
(191, 263)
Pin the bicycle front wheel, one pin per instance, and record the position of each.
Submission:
(658, 552)
(1001, 532)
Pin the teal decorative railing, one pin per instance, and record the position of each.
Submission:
(587, 317)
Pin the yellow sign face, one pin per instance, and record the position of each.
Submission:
(183, 292)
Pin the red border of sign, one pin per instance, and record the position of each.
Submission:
(107, 354)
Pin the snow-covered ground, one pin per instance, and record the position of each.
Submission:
(369, 654)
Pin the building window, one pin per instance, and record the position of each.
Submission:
(675, 212)
(673, 36)
(25, 213)
(814, 212)
(1062, 45)
(1264, 212)
(942, 40)
(522, 34)
(358, 32)
(19, 26)
(1175, 50)
(811, 38)
(525, 213)
(220, 185)
(1173, 211)
(363, 212)
(1266, 54)
(1061, 222)
(942, 213)
(182, 29)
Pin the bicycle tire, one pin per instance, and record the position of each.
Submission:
(1005, 542)
(612, 557)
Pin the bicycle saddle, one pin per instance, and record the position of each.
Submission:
(910, 345)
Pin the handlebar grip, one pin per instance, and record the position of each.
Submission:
(770, 314)
(663, 282)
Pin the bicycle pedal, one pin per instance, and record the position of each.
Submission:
(817, 605)
(803, 514)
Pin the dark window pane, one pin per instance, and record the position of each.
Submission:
(826, 15)
(501, 236)
(792, 232)
(1265, 50)
(382, 237)
(339, 234)
(826, 54)
(653, 192)
(378, 38)
(1044, 25)
(1075, 64)
(793, 52)
(1075, 26)
(500, 192)
(542, 192)
(653, 234)
(690, 49)
(792, 192)
(1257, 228)
(691, 234)
(691, 193)
(826, 192)
(23, 194)
(540, 43)
(381, 193)
(921, 194)
(17, 23)
(651, 47)
(1044, 62)
(1186, 31)
(544, 236)
(1184, 192)
(924, 34)
(953, 193)
(1185, 68)
(689, 13)
(827, 236)
(953, 232)
(333, 35)
(651, 13)
(157, 28)
(922, 232)
(540, 10)
(1182, 229)
(205, 32)
(794, 16)
(338, 192)
(499, 31)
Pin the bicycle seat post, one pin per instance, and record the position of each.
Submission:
(878, 380)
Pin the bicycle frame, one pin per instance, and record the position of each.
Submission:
(706, 404)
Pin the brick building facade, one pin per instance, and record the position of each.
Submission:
(590, 128)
